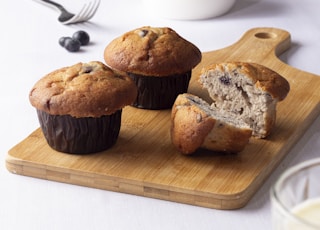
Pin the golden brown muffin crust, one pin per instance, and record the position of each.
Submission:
(152, 51)
(83, 90)
(193, 127)
(187, 132)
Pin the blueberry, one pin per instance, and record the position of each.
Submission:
(225, 80)
(72, 45)
(63, 40)
(81, 36)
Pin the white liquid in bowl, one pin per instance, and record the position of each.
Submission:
(309, 210)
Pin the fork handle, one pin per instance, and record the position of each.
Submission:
(57, 5)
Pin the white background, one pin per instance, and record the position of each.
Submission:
(29, 49)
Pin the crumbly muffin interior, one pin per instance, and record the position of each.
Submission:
(233, 92)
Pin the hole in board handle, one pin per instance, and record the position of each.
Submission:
(265, 35)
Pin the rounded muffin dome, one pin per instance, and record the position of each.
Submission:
(156, 51)
(83, 90)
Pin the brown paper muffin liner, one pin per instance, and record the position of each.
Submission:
(159, 92)
(67, 134)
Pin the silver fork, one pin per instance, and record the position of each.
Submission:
(86, 13)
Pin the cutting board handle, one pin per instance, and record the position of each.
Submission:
(267, 39)
(257, 45)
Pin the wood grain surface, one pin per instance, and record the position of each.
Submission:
(144, 162)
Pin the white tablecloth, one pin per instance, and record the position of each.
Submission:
(30, 49)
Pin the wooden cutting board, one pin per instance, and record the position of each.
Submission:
(143, 161)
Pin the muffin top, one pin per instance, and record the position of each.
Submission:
(152, 51)
(83, 90)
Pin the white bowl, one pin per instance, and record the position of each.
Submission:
(188, 9)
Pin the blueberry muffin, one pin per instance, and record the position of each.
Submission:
(248, 90)
(79, 107)
(196, 125)
(159, 60)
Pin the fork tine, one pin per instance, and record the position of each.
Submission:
(86, 13)
(77, 16)
(90, 11)
(94, 9)
(83, 15)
